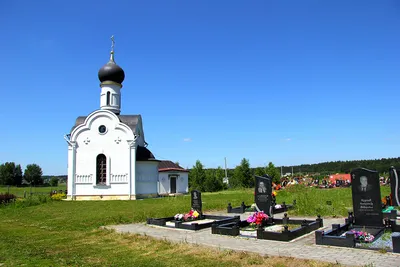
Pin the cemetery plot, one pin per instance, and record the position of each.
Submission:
(277, 208)
(261, 224)
(366, 225)
(195, 219)
(264, 199)
(284, 229)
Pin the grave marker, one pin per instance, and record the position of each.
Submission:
(196, 201)
(263, 194)
(366, 196)
(394, 186)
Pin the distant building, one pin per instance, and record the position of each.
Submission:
(172, 178)
(339, 176)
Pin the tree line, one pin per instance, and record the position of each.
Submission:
(11, 174)
(326, 168)
(212, 180)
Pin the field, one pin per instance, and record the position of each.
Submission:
(19, 191)
(64, 233)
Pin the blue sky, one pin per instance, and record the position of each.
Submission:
(290, 82)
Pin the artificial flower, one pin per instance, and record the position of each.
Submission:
(195, 214)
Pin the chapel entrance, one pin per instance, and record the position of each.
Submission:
(172, 184)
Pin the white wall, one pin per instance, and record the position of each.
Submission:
(182, 182)
(113, 144)
(146, 177)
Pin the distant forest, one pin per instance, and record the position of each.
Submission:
(327, 168)
(61, 178)
(324, 168)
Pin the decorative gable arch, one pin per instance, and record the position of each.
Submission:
(86, 125)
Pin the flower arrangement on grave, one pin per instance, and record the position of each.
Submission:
(363, 236)
(257, 218)
(191, 216)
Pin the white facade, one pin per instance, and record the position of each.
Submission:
(173, 182)
(126, 178)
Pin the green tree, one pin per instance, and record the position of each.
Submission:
(214, 180)
(33, 174)
(273, 172)
(242, 175)
(18, 175)
(7, 173)
(54, 181)
(197, 176)
(10, 174)
(219, 179)
(259, 171)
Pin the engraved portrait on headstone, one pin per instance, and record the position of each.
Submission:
(263, 194)
(262, 188)
(366, 195)
(196, 201)
(364, 186)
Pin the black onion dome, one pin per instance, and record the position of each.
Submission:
(111, 72)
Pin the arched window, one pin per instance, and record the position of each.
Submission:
(108, 98)
(101, 169)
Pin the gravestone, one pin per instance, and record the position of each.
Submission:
(263, 194)
(395, 186)
(366, 194)
(197, 204)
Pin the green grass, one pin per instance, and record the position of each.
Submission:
(19, 191)
(312, 201)
(66, 233)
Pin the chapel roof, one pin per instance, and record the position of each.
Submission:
(130, 120)
(167, 165)
(143, 154)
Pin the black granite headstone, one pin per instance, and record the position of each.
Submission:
(366, 194)
(395, 186)
(196, 201)
(263, 194)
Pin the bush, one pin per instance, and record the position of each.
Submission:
(6, 198)
(32, 201)
(54, 181)
(58, 196)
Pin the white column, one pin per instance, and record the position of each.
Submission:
(132, 167)
(71, 169)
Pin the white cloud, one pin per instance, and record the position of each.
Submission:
(288, 139)
(187, 139)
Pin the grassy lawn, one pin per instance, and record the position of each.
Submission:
(19, 191)
(67, 233)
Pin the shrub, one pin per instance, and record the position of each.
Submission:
(32, 201)
(7, 198)
(58, 196)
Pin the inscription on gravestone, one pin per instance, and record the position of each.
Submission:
(196, 201)
(395, 186)
(263, 194)
(366, 194)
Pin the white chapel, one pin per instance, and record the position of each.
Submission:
(107, 152)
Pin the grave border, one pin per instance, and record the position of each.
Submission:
(242, 208)
(193, 226)
(307, 226)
